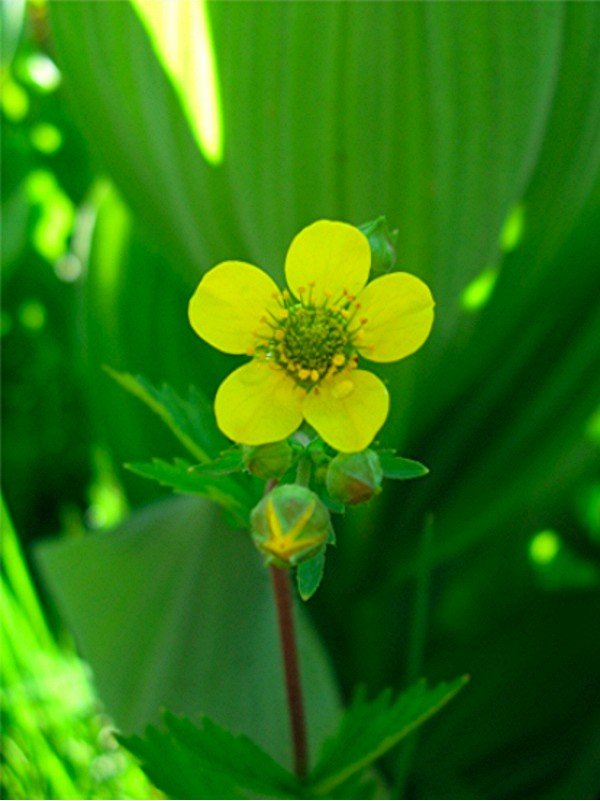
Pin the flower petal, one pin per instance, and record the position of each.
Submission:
(398, 309)
(348, 410)
(228, 304)
(257, 404)
(335, 255)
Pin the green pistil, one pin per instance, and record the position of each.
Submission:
(311, 339)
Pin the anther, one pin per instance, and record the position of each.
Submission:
(338, 359)
(315, 375)
(303, 374)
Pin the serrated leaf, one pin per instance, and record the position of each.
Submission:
(399, 468)
(309, 575)
(191, 760)
(192, 421)
(371, 728)
(182, 477)
(226, 463)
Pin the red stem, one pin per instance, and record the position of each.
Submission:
(285, 616)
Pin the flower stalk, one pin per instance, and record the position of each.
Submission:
(287, 635)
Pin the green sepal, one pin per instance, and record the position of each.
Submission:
(309, 575)
(383, 244)
(334, 506)
(319, 452)
(400, 469)
(182, 477)
(191, 419)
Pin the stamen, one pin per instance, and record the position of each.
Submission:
(309, 337)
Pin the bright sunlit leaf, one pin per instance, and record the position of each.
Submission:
(544, 547)
(513, 229)
(14, 100)
(56, 214)
(42, 72)
(181, 36)
(478, 292)
(46, 138)
(32, 315)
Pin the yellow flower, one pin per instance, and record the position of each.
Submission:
(306, 342)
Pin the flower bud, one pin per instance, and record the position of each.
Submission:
(268, 461)
(383, 245)
(290, 525)
(354, 478)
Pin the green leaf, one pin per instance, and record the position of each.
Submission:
(191, 760)
(226, 463)
(309, 575)
(396, 467)
(192, 420)
(371, 728)
(184, 478)
(174, 609)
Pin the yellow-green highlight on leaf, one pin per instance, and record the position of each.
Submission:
(592, 428)
(46, 138)
(513, 228)
(181, 36)
(14, 100)
(56, 214)
(42, 72)
(32, 315)
(477, 293)
(544, 547)
(108, 504)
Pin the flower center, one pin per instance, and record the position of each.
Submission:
(311, 341)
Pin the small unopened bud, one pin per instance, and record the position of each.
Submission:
(354, 478)
(290, 524)
(383, 245)
(268, 461)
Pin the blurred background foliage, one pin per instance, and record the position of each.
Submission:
(142, 143)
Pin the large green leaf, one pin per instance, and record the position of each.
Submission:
(207, 761)
(470, 114)
(175, 610)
